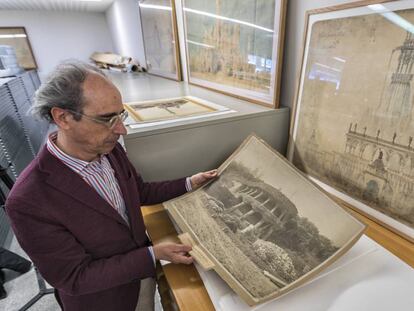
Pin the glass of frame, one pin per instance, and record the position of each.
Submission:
(236, 51)
(159, 30)
(18, 39)
(352, 128)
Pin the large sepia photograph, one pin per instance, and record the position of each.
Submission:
(159, 32)
(263, 225)
(236, 51)
(353, 127)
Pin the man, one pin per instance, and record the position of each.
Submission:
(76, 209)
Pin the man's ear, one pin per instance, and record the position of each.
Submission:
(61, 117)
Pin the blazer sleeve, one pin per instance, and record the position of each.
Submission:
(63, 261)
(157, 192)
(151, 192)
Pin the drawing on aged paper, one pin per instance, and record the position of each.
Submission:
(353, 128)
(235, 50)
(171, 108)
(19, 40)
(265, 226)
(160, 36)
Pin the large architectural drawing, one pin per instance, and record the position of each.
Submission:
(354, 129)
(232, 50)
(263, 225)
(17, 38)
(160, 37)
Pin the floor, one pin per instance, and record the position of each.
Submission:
(21, 288)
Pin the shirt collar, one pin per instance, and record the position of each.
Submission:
(75, 164)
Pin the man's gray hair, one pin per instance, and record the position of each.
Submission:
(63, 89)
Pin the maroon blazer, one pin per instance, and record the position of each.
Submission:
(79, 243)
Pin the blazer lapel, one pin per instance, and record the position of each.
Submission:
(67, 181)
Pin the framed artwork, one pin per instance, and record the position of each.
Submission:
(17, 38)
(159, 30)
(352, 127)
(171, 108)
(262, 225)
(236, 51)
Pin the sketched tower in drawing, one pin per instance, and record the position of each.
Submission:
(396, 102)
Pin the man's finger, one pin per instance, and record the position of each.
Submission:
(183, 253)
(184, 259)
(210, 174)
(182, 248)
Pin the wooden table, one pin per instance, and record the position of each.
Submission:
(185, 287)
(397, 245)
(183, 281)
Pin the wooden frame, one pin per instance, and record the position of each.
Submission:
(19, 40)
(161, 72)
(313, 136)
(269, 99)
(249, 224)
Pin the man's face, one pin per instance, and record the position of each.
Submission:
(102, 100)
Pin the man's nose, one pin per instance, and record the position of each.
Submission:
(120, 128)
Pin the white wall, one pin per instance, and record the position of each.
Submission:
(292, 57)
(125, 26)
(57, 35)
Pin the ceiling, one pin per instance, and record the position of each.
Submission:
(56, 5)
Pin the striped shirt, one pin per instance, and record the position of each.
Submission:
(100, 176)
(97, 174)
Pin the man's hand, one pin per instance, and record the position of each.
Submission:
(199, 179)
(175, 253)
